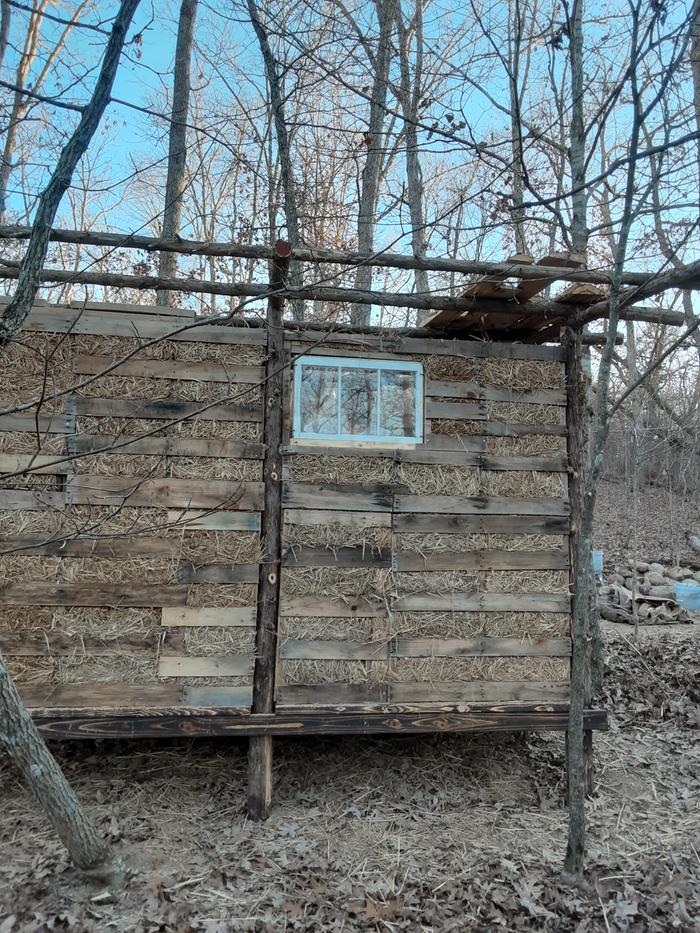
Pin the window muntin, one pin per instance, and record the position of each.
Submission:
(358, 400)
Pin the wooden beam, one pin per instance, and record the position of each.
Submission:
(260, 748)
(317, 255)
(74, 724)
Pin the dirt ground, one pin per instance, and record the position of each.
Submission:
(429, 833)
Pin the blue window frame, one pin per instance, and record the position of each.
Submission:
(380, 401)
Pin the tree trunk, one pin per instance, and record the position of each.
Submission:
(579, 200)
(409, 106)
(30, 268)
(291, 209)
(5, 19)
(177, 148)
(371, 173)
(42, 775)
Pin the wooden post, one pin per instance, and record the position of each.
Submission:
(260, 747)
(579, 741)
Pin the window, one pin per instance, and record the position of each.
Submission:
(358, 400)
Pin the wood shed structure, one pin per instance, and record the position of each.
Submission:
(280, 530)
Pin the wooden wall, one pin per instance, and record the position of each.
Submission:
(432, 574)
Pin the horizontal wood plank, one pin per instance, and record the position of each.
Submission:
(179, 722)
(32, 500)
(482, 602)
(512, 429)
(482, 560)
(428, 346)
(536, 647)
(327, 608)
(482, 524)
(297, 556)
(100, 696)
(85, 489)
(60, 423)
(112, 595)
(209, 666)
(55, 319)
(218, 520)
(481, 505)
(436, 388)
(166, 446)
(316, 649)
(128, 547)
(218, 573)
(374, 497)
(164, 409)
(55, 643)
(32, 463)
(481, 691)
(455, 411)
(229, 616)
(333, 517)
(177, 370)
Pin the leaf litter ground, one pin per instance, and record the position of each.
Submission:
(429, 833)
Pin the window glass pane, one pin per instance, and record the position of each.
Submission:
(398, 403)
(319, 399)
(358, 401)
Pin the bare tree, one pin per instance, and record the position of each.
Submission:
(177, 147)
(28, 280)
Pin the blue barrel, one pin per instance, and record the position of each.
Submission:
(688, 596)
(598, 563)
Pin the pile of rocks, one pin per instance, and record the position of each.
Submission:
(649, 587)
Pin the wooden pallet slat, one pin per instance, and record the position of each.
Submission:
(537, 647)
(455, 411)
(436, 388)
(206, 666)
(444, 561)
(217, 520)
(319, 607)
(59, 423)
(481, 524)
(230, 616)
(297, 556)
(482, 602)
(374, 497)
(217, 573)
(109, 595)
(337, 517)
(481, 505)
(32, 500)
(165, 446)
(86, 489)
(117, 547)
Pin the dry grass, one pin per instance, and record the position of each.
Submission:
(189, 351)
(523, 413)
(473, 624)
(532, 445)
(522, 374)
(334, 535)
(439, 670)
(447, 428)
(25, 442)
(530, 485)
(450, 368)
(329, 582)
(19, 568)
(437, 583)
(315, 469)
(334, 672)
(437, 480)
(340, 629)
(526, 581)
(121, 463)
(36, 369)
(135, 387)
(427, 544)
(27, 521)
(207, 641)
(236, 547)
(135, 427)
(114, 669)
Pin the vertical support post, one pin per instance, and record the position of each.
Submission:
(580, 741)
(260, 747)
